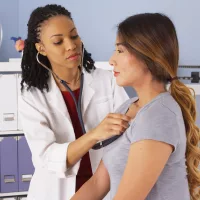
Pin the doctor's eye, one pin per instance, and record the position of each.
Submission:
(59, 42)
(74, 37)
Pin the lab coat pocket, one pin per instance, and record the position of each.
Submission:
(104, 106)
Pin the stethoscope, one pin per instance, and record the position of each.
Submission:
(100, 144)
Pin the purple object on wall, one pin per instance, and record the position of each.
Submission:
(9, 171)
(0, 162)
(25, 166)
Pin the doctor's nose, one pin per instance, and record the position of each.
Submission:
(70, 45)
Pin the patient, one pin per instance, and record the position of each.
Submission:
(157, 157)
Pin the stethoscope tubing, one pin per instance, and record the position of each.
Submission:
(100, 144)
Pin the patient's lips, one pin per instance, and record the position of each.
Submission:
(116, 73)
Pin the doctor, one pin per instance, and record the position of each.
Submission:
(61, 153)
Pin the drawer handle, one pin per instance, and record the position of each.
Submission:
(26, 178)
(9, 179)
(8, 117)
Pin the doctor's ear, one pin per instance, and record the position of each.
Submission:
(40, 49)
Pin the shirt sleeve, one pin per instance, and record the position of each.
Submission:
(160, 126)
(46, 152)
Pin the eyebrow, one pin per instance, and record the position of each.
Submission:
(62, 34)
(120, 43)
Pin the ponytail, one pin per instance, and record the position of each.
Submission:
(185, 97)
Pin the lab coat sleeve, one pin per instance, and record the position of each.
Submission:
(119, 95)
(46, 152)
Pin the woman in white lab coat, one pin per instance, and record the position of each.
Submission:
(61, 153)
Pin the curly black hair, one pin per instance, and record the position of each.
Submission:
(33, 75)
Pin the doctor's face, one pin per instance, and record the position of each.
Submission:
(60, 42)
(128, 69)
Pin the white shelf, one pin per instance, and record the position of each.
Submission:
(15, 59)
(10, 67)
(13, 194)
(10, 132)
(15, 65)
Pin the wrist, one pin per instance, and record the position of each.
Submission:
(91, 134)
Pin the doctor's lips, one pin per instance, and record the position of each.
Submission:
(116, 73)
(74, 56)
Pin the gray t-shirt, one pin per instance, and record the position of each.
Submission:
(159, 120)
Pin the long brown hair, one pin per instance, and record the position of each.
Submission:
(152, 38)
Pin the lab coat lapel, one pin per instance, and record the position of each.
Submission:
(88, 91)
(56, 98)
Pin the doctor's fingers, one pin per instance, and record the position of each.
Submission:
(117, 121)
(119, 116)
(116, 129)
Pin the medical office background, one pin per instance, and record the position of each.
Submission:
(96, 22)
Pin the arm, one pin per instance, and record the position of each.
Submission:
(61, 159)
(146, 161)
(112, 125)
(79, 147)
(97, 187)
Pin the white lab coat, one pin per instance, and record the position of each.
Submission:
(48, 130)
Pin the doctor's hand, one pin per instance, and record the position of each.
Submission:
(113, 124)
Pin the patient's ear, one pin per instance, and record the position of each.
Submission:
(40, 49)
